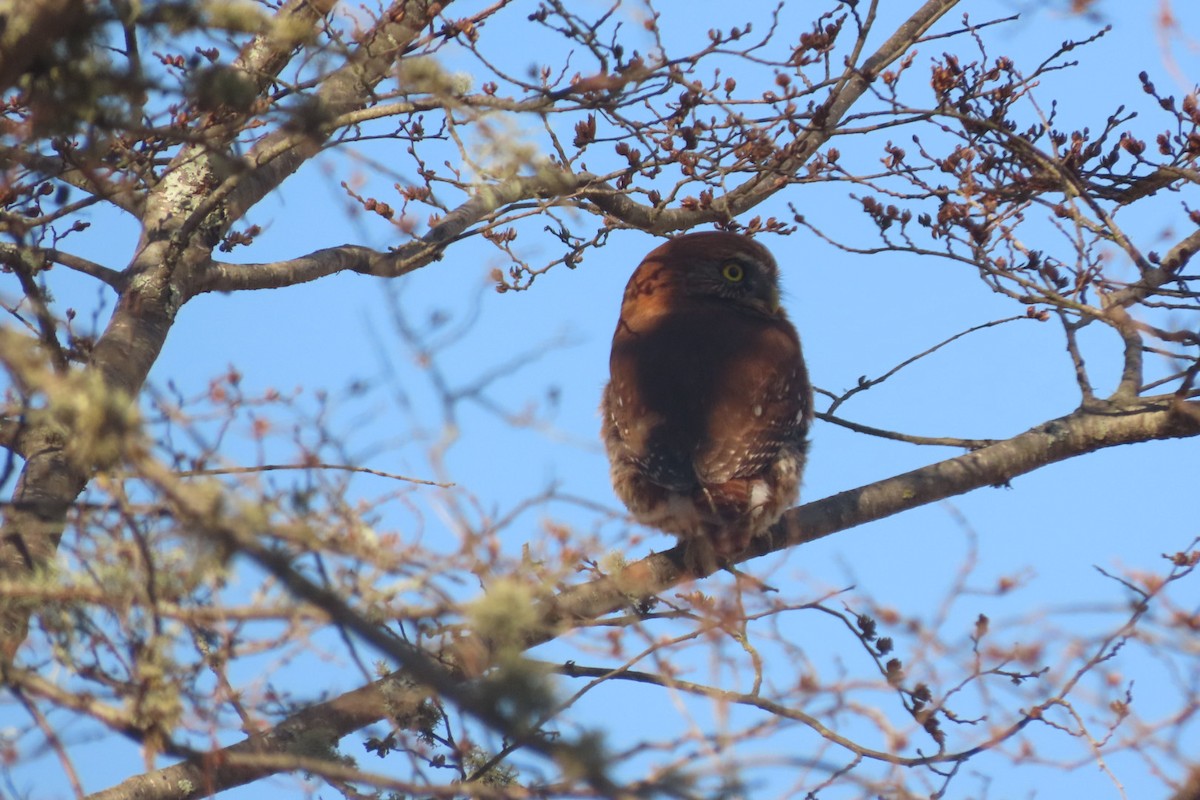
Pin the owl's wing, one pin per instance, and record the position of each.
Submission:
(643, 437)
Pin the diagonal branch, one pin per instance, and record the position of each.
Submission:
(853, 86)
(1153, 277)
(122, 193)
(865, 383)
(13, 255)
(369, 68)
(395, 696)
(349, 88)
(443, 678)
(221, 277)
(266, 55)
(183, 199)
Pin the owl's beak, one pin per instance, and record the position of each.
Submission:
(773, 300)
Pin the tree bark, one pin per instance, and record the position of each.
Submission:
(178, 232)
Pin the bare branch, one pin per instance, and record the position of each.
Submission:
(445, 677)
(418, 253)
(786, 712)
(934, 441)
(865, 383)
(1130, 384)
(266, 55)
(12, 254)
(1070, 328)
(192, 473)
(346, 89)
(1080, 432)
(1170, 269)
(85, 176)
(769, 181)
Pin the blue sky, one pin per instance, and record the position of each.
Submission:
(858, 316)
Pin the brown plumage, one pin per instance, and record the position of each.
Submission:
(708, 406)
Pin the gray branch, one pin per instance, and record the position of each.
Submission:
(10, 253)
(1076, 434)
(221, 277)
(346, 89)
(1168, 270)
(771, 179)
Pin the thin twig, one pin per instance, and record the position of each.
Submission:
(865, 383)
(193, 473)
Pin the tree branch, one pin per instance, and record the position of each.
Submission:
(221, 277)
(784, 711)
(896, 436)
(1080, 432)
(774, 177)
(267, 175)
(265, 56)
(346, 89)
(96, 182)
(1083, 431)
(13, 254)
(1171, 266)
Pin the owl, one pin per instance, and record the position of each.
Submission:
(708, 404)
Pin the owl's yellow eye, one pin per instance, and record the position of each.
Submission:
(733, 272)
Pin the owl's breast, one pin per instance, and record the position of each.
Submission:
(694, 392)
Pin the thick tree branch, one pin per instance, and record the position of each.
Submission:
(774, 177)
(224, 277)
(266, 55)
(1152, 278)
(1080, 432)
(221, 277)
(151, 293)
(348, 88)
(1084, 431)
(55, 471)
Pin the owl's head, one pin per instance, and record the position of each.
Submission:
(711, 264)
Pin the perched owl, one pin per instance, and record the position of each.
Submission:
(708, 404)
